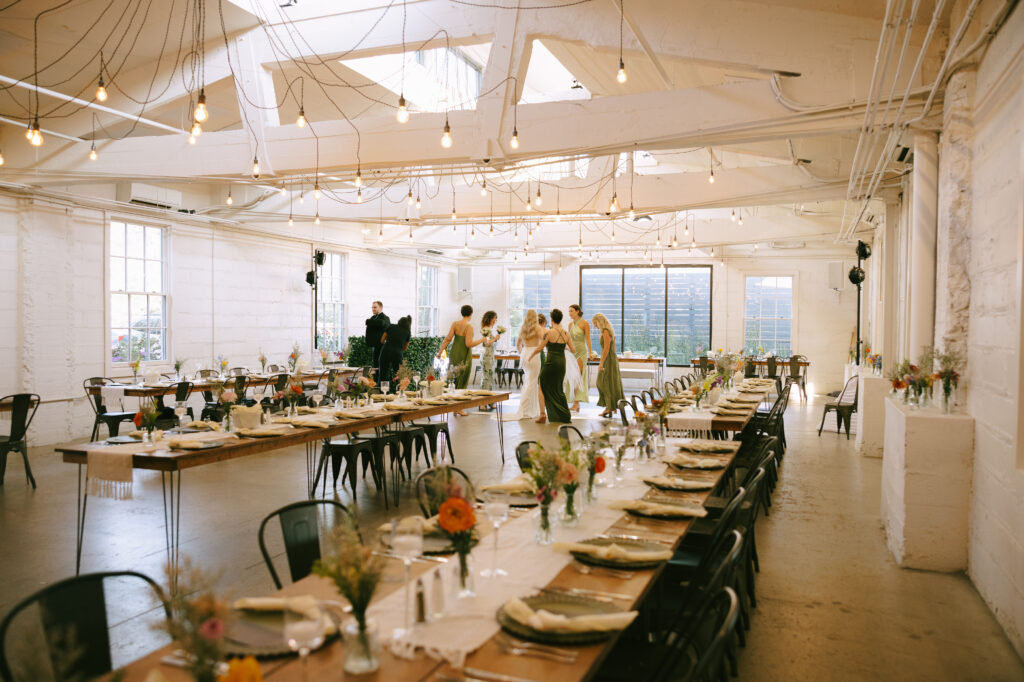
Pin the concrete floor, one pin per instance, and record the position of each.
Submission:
(833, 605)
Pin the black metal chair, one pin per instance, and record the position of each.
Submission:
(704, 365)
(102, 414)
(571, 434)
(238, 372)
(772, 372)
(623, 406)
(434, 485)
(349, 451)
(72, 617)
(433, 432)
(279, 383)
(22, 407)
(694, 661)
(844, 406)
(300, 528)
(272, 369)
(749, 369)
(167, 419)
(798, 374)
(523, 454)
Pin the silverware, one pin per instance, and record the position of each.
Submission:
(496, 677)
(638, 538)
(179, 659)
(521, 651)
(509, 639)
(582, 592)
(586, 569)
(423, 558)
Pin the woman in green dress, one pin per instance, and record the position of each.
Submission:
(579, 331)
(609, 380)
(552, 374)
(460, 336)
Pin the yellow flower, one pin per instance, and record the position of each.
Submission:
(242, 670)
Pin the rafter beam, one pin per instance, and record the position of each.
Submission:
(648, 50)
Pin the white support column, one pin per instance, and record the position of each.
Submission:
(890, 286)
(922, 242)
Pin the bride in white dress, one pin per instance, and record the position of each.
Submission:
(529, 339)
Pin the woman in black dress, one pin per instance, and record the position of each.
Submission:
(396, 342)
(552, 374)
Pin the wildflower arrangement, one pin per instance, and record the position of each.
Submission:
(222, 363)
(135, 365)
(293, 357)
(354, 569)
(947, 374)
(147, 415)
(571, 461)
(262, 358)
(453, 372)
(197, 620)
(179, 363)
(358, 386)
(294, 391)
(457, 521)
(596, 444)
(227, 400)
(403, 376)
(546, 470)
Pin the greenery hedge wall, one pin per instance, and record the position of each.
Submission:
(419, 357)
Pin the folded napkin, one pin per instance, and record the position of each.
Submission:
(349, 414)
(263, 431)
(688, 462)
(614, 552)
(400, 407)
(727, 411)
(157, 434)
(313, 421)
(199, 440)
(305, 604)
(649, 508)
(109, 470)
(698, 445)
(204, 426)
(520, 484)
(546, 621)
(305, 409)
(676, 483)
(428, 526)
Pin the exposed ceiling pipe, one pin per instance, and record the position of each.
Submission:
(91, 105)
(44, 131)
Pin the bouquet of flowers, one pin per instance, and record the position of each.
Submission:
(178, 365)
(197, 620)
(358, 386)
(356, 571)
(323, 356)
(546, 472)
(597, 443)
(947, 374)
(222, 363)
(453, 372)
(293, 357)
(457, 521)
(147, 415)
(227, 399)
(501, 330)
(294, 390)
(135, 365)
(262, 358)
(403, 376)
(569, 477)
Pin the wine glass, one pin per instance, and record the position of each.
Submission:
(318, 397)
(384, 386)
(416, 382)
(180, 410)
(304, 632)
(407, 543)
(496, 504)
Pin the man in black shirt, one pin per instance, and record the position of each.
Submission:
(376, 325)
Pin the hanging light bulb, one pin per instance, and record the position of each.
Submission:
(316, 220)
(196, 130)
(483, 188)
(632, 213)
(291, 221)
(301, 120)
(739, 221)
(418, 204)
(693, 244)
(527, 206)
(1, 158)
(491, 233)
(446, 137)
(515, 258)
(302, 197)
(229, 200)
(101, 92)
(558, 217)
(284, 190)
(359, 196)
(514, 142)
(316, 191)
(454, 217)
(598, 257)
(402, 115)
(380, 233)
(711, 177)
(515, 234)
(755, 246)
(472, 233)
(733, 216)
(657, 241)
(410, 232)
(537, 200)
(201, 114)
(365, 229)
(359, 177)
(675, 241)
(255, 167)
(613, 205)
(613, 231)
(621, 75)
(92, 152)
(28, 132)
(409, 199)
(37, 136)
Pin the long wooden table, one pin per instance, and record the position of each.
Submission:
(167, 388)
(170, 463)
(327, 662)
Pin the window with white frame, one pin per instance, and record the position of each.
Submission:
(527, 289)
(138, 300)
(330, 313)
(768, 316)
(426, 302)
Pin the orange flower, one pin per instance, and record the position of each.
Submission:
(137, 420)
(599, 465)
(899, 384)
(296, 388)
(456, 515)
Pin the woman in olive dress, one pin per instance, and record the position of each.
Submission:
(579, 330)
(609, 380)
(460, 335)
(552, 374)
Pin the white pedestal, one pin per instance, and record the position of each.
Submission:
(849, 370)
(871, 414)
(926, 485)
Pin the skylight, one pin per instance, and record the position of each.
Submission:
(547, 80)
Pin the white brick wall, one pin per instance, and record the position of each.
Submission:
(996, 560)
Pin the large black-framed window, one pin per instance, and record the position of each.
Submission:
(664, 312)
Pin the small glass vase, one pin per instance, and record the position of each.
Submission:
(947, 402)
(571, 511)
(227, 421)
(465, 577)
(147, 437)
(591, 494)
(542, 530)
(360, 646)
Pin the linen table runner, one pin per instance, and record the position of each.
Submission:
(109, 470)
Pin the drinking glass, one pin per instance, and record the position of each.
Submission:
(407, 543)
(384, 386)
(318, 397)
(180, 410)
(496, 504)
(304, 633)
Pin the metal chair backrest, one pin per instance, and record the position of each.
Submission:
(523, 454)
(275, 368)
(182, 391)
(748, 368)
(623, 406)
(241, 385)
(300, 528)
(96, 400)
(703, 364)
(23, 408)
(571, 434)
(723, 613)
(795, 368)
(72, 611)
(207, 374)
(638, 403)
(849, 394)
(436, 485)
(238, 372)
(773, 367)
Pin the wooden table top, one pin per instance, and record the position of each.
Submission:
(721, 422)
(326, 663)
(759, 363)
(143, 390)
(175, 460)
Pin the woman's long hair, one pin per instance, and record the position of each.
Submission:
(601, 322)
(529, 327)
